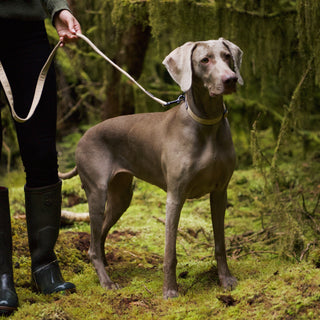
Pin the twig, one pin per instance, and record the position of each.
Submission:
(132, 254)
(316, 206)
(181, 232)
(73, 109)
(305, 251)
(149, 291)
(285, 121)
(310, 215)
(255, 253)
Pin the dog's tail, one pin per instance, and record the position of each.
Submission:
(68, 175)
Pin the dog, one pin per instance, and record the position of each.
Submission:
(187, 151)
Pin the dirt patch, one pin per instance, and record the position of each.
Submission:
(227, 300)
(123, 305)
(82, 241)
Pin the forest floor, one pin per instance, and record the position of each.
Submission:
(276, 280)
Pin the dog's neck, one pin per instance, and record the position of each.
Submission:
(204, 106)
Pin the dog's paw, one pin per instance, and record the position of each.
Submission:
(168, 294)
(229, 283)
(110, 286)
(114, 286)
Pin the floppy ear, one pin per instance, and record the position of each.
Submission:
(236, 54)
(178, 64)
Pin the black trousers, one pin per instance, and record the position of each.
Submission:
(24, 48)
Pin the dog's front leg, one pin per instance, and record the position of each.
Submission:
(173, 209)
(218, 203)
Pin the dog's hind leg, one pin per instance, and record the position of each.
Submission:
(96, 201)
(119, 196)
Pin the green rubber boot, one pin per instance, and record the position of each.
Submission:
(43, 212)
(8, 295)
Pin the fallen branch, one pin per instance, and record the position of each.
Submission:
(69, 217)
(257, 253)
(311, 215)
(73, 109)
(306, 250)
(184, 234)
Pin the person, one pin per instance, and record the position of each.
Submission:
(23, 51)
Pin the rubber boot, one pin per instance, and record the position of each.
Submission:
(43, 212)
(8, 295)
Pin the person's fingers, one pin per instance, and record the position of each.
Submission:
(67, 27)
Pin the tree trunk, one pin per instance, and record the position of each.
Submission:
(131, 51)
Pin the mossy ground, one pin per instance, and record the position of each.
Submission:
(272, 283)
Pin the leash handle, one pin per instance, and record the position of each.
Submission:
(38, 90)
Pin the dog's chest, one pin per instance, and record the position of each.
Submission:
(211, 170)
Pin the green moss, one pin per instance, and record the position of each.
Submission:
(269, 284)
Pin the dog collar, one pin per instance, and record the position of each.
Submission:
(206, 121)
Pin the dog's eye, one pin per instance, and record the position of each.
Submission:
(205, 60)
(228, 56)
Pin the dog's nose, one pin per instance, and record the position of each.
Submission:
(230, 79)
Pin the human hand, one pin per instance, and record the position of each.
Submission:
(67, 26)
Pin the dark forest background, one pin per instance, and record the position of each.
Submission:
(280, 40)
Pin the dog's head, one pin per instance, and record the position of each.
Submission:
(215, 62)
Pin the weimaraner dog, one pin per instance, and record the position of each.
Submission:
(187, 151)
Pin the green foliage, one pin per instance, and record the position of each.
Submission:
(129, 12)
(308, 21)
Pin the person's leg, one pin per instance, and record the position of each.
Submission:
(24, 52)
(38, 152)
(8, 296)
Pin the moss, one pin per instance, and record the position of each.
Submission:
(270, 284)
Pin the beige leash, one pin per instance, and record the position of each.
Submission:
(42, 78)
(38, 91)
(121, 70)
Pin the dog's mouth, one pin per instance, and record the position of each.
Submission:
(222, 90)
(228, 89)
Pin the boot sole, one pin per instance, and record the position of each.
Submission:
(7, 310)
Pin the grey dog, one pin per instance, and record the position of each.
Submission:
(187, 151)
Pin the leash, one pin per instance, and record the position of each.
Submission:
(38, 91)
(121, 70)
(42, 78)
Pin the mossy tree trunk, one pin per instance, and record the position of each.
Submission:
(130, 55)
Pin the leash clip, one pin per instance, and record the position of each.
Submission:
(180, 98)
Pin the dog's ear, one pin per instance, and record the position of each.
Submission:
(179, 66)
(236, 54)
